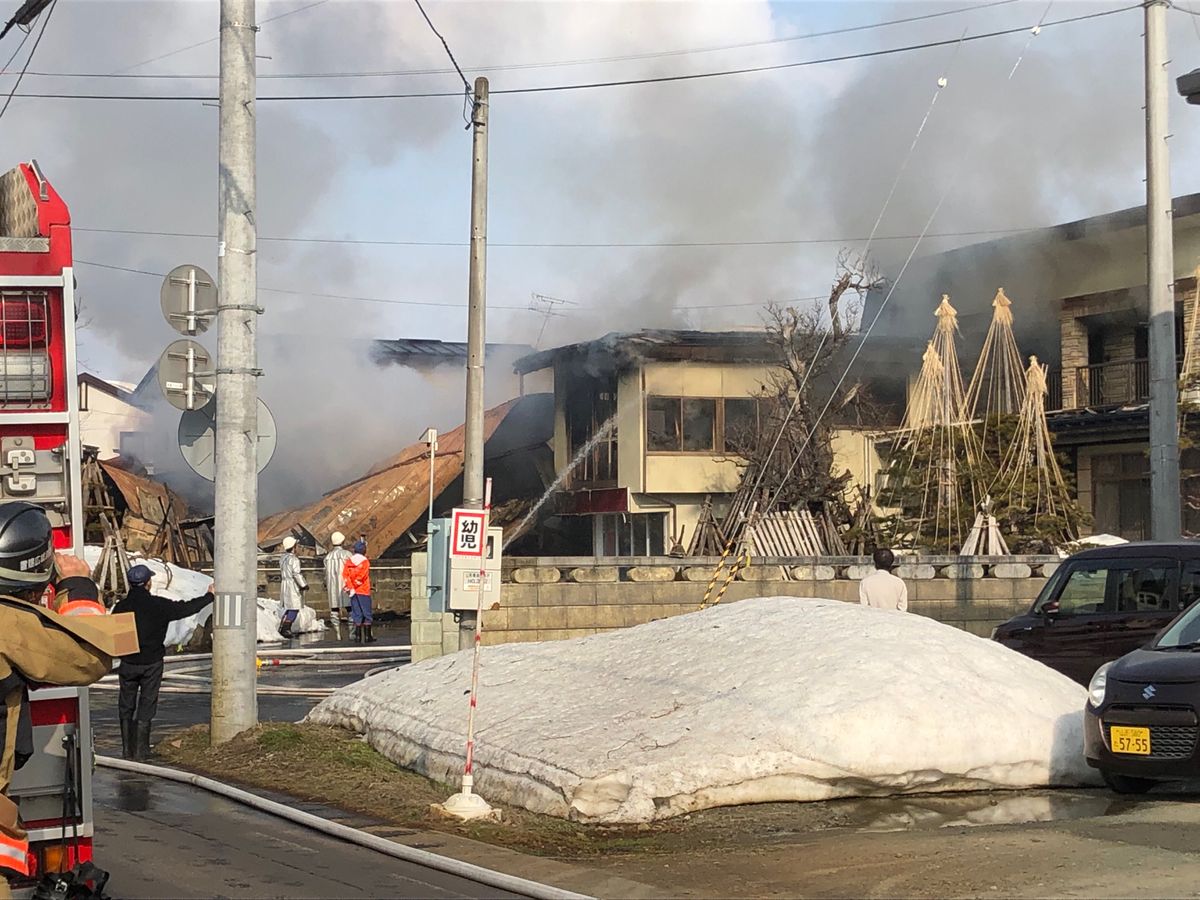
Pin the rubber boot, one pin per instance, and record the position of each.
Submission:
(370, 638)
(358, 634)
(141, 735)
(336, 621)
(127, 745)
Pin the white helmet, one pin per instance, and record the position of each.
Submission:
(289, 543)
(337, 539)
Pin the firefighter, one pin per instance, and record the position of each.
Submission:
(291, 586)
(357, 579)
(141, 673)
(339, 600)
(37, 647)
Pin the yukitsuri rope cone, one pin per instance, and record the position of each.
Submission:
(939, 451)
(998, 386)
(1030, 481)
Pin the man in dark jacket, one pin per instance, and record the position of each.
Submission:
(141, 673)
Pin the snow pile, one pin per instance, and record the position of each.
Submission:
(763, 700)
(178, 583)
(1090, 542)
(270, 614)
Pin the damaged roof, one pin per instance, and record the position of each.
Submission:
(626, 348)
(144, 497)
(394, 494)
(423, 352)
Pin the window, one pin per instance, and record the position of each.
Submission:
(629, 534)
(1189, 585)
(1121, 494)
(1091, 588)
(662, 423)
(741, 424)
(701, 424)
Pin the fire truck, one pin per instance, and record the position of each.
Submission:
(40, 462)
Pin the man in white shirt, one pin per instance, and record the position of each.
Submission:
(881, 589)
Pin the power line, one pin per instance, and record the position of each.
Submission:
(28, 59)
(15, 52)
(298, 293)
(549, 64)
(565, 245)
(449, 53)
(205, 42)
(543, 89)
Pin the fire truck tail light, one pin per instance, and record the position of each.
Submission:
(23, 322)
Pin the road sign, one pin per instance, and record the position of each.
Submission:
(466, 533)
(197, 438)
(189, 299)
(186, 376)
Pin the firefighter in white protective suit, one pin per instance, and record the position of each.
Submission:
(339, 600)
(291, 586)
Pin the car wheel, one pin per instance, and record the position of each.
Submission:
(1127, 784)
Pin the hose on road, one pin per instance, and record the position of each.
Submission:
(301, 651)
(478, 874)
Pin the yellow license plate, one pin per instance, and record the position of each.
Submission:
(1135, 741)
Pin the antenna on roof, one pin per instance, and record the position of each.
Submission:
(549, 308)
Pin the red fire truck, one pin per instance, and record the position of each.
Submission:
(40, 462)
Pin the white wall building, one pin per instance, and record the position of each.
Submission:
(107, 417)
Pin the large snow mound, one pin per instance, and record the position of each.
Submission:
(775, 699)
(177, 583)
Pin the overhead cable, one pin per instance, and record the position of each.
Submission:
(565, 245)
(549, 64)
(589, 85)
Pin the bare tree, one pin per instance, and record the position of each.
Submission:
(788, 452)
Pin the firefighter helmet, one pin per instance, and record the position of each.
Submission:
(26, 548)
(289, 543)
(337, 539)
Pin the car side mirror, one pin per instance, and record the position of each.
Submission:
(1050, 610)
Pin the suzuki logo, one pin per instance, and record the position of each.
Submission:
(1148, 692)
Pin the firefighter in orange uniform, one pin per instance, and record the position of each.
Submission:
(37, 647)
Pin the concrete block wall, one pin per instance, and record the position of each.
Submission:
(593, 596)
(390, 585)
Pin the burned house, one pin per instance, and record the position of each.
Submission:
(389, 504)
(644, 435)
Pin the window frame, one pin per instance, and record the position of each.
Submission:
(719, 424)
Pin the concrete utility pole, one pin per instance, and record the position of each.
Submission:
(473, 439)
(235, 557)
(1165, 516)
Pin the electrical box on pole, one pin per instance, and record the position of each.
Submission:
(463, 561)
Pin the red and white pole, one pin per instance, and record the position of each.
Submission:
(468, 780)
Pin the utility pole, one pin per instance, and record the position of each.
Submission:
(235, 556)
(473, 439)
(1165, 515)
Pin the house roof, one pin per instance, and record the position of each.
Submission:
(112, 388)
(618, 349)
(144, 497)
(394, 494)
(426, 352)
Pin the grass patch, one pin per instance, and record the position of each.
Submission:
(332, 766)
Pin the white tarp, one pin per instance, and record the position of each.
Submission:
(774, 699)
(178, 583)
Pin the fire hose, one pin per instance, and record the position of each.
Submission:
(478, 874)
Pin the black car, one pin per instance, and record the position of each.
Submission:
(1103, 603)
(1143, 712)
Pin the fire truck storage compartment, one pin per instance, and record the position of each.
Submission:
(60, 726)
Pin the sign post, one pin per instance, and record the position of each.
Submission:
(468, 538)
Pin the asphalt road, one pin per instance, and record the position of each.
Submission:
(161, 839)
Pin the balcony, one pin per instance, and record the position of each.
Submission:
(1124, 383)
